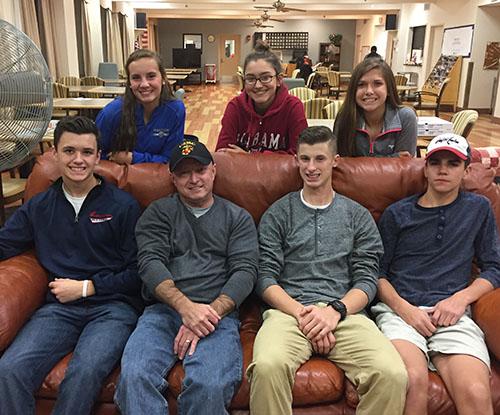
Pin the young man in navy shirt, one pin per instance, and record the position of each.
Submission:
(82, 230)
(425, 287)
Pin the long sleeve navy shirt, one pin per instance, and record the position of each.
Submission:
(428, 252)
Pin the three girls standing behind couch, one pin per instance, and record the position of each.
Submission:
(372, 121)
(264, 117)
(148, 122)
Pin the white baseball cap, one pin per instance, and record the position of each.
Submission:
(454, 143)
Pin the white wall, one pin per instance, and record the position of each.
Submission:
(10, 11)
(487, 28)
(451, 13)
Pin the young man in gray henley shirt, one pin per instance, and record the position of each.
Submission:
(318, 269)
(430, 241)
(197, 257)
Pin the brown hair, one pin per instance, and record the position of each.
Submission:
(347, 118)
(263, 51)
(126, 136)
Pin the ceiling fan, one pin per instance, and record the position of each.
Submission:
(265, 16)
(259, 23)
(281, 7)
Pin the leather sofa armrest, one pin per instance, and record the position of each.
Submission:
(23, 283)
(485, 313)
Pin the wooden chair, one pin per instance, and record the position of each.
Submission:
(314, 107)
(295, 73)
(400, 79)
(11, 190)
(59, 91)
(463, 121)
(322, 72)
(310, 80)
(303, 93)
(430, 100)
(331, 110)
(92, 81)
(70, 81)
(241, 82)
(334, 86)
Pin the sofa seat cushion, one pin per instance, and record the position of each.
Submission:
(317, 381)
(50, 386)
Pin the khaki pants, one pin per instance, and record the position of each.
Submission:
(366, 356)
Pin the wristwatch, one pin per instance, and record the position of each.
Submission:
(340, 307)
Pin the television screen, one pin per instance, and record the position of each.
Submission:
(186, 58)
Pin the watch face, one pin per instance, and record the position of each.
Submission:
(210, 38)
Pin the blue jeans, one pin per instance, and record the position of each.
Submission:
(212, 373)
(96, 333)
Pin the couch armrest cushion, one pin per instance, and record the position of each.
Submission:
(23, 283)
(486, 312)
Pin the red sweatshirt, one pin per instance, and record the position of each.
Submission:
(277, 130)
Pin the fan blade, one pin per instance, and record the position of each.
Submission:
(264, 7)
(276, 20)
(291, 9)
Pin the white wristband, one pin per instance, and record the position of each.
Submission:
(84, 289)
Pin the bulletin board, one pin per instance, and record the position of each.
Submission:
(457, 41)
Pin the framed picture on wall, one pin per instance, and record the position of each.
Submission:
(190, 40)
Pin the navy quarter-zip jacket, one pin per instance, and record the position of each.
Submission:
(97, 244)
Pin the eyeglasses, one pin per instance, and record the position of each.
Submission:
(264, 79)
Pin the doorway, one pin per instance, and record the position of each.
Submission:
(435, 43)
(229, 57)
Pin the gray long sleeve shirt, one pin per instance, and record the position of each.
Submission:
(318, 254)
(214, 254)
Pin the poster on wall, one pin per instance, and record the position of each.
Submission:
(492, 55)
(457, 41)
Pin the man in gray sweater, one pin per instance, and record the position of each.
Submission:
(197, 257)
(318, 269)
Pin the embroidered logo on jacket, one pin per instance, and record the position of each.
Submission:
(161, 132)
(98, 218)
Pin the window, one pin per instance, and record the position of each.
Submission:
(417, 45)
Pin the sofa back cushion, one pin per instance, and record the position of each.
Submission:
(255, 181)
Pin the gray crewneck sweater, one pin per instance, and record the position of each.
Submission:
(213, 254)
(318, 254)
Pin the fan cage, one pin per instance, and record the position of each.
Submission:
(25, 96)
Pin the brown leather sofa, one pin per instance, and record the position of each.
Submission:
(254, 182)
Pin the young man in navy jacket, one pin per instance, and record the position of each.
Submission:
(82, 230)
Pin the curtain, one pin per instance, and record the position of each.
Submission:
(127, 50)
(87, 58)
(30, 21)
(109, 35)
(47, 24)
(115, 46)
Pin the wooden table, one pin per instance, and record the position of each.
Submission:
(181, 70)
(115, 82)
(87, 105)
(81, 103)
(103, 90)
(177, 77)
(406, 88)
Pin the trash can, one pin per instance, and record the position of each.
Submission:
(210, 73)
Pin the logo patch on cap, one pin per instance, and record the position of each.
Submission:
(186, 147)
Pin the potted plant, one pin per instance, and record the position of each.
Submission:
(335, 38)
